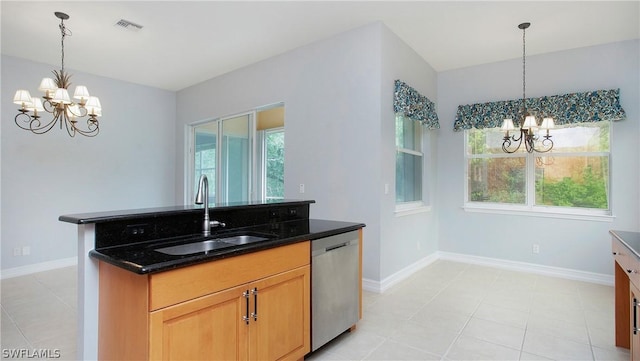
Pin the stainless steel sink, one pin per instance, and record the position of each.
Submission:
(210, 244)
(195, 247)
(243, 239)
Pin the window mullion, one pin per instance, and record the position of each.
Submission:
(531, 179)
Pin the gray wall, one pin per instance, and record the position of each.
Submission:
(331, 92)
(575, 244)
(409, 238)
(130, 164)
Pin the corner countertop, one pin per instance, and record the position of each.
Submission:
(141, 258)
(630, 239)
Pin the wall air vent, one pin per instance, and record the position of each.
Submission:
(126, 24)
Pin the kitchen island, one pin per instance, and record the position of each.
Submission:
(626, 253)
(127, 241)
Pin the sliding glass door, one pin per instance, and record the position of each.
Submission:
(223, 151)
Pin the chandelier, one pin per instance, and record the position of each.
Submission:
(529, 125)
(56, 101)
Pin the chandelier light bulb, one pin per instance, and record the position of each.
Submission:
(48, 86)
(22, 98)
(547, 123)
(36, 106)
(61, 96)
(93, 106)
(81, 93)
(530, 122)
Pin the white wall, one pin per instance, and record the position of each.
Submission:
(130, 164)
(575, 244)
(331, 94)
(409, 238)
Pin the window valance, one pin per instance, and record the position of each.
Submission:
(414, 105)
(587, 107)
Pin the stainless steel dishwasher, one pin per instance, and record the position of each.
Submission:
(334, 286)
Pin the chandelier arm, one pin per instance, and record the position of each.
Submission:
(18, 119)
(41, 129)
(92, 128)
(547, 145)
(70, 126)
(506, 144)
(48, 106)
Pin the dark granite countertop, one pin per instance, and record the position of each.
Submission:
(131, 214)
(142, 258)
(630, 239)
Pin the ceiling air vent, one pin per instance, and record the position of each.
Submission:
(126, 24)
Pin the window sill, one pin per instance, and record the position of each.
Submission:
(544, 212)
(407, 209)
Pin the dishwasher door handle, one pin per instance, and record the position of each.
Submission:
(333, 247)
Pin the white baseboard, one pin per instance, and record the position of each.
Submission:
(558, 272)
(385, 284)
(38, 267)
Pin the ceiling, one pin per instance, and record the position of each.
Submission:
(184, 43)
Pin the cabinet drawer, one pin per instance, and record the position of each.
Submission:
(172, 287)
(627, 260)
(620, 254)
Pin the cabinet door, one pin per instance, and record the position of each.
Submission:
(281, 329)
(634, 295)
(206, 328)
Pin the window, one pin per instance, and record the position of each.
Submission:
(572, 178)
(273, 163)
(242, 156)
(409, 160)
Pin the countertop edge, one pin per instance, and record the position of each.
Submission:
(119, 215)
(619, 237)
(236, 251)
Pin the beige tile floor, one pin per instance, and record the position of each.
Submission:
(446, 311)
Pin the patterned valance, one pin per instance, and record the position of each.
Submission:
(587, 107)
(414, 105)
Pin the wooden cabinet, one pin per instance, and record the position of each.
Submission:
(627, 298)
(249, 307)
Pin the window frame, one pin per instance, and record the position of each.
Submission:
(530, 208)
(421, 205)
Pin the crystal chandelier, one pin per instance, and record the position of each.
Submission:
(57, 102)
(529, 125)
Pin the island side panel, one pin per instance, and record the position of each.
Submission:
(88, 284)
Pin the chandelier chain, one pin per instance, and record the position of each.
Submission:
(524, 78)
(64, 32)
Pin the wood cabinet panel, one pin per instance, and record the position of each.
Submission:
(170, 288)
(208, 328)
(282, 328)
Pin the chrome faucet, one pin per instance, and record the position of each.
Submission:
(202, 197)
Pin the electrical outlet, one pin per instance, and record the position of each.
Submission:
(137, 229)
(26, 250)
(535, 248)
(17, 251)
(301, 188)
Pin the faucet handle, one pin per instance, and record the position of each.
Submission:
(217, 224)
